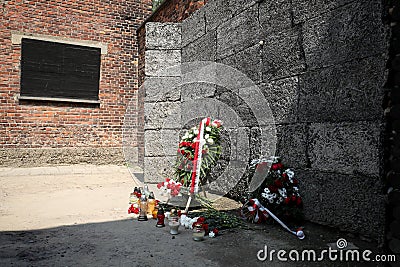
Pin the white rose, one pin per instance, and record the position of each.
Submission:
(206, 136)
(211, 234)
(209, 140)
(208, 129)
(190, 136)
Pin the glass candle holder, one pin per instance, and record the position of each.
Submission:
(143, 209)
(173, 225)
(198, 232)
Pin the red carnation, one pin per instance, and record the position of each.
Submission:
(215, 231)
(276, 166)
(205, 227)
(293, 198)
(285, 177)
(287, 200)
(278, 183)
(273, 188)
(299, 201)
(159, 185)
(201, 220)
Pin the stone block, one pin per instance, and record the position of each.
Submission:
(193, 27)
(253, 108)
(291, 145)
(202, 49)
(161, 89)
(238, 33)
(163, 35)
(346, 148)
(156, 169)
(282, 96)
(247, 61)
(199, 109)
(218, 11)
(282, 55)
(274, 16)
(228, 177)
(161, 143)
(350, 91)
(163, 115)
(350, 32)
(351, 203)
(306, 9)
(263, 141)
(200, 90)
(162, 62)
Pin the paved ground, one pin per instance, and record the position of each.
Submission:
(77, 216)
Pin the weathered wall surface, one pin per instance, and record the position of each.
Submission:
(392, 105)
(162, 99)
(28, 126)
(322, 69)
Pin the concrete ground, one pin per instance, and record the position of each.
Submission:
(77, 216)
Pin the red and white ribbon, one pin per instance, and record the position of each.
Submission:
(194, 185)
(257, 207)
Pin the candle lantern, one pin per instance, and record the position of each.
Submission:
(143, 208)
(198, 232)
(160, 217)
(173, 224)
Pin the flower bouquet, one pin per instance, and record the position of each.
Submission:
(211, 152)
(279, 193)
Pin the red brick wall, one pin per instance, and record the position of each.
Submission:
(32, 124)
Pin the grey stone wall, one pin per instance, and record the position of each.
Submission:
(162, 99)
(322, 68)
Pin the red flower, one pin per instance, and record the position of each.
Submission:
(201, 220)
(276, 166)
(295, 181)
(299, 201)
(205, 227)
(159, 185)
(273, 188)
(285, 177)
(287, 200)
(215, 231)
(293, 198)
(278, 183)
(217, 122)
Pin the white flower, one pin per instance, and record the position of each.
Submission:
(211, 234)
(279, 200)
(206, 136)
(209, 140)
(266, 190)
(264, 195)
(190, 136)
(289, 173)
(295, 189)
(282, 192)
(208, 129)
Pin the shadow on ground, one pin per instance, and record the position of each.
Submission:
(132, 243)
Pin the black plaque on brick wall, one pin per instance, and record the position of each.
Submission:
(57, 70)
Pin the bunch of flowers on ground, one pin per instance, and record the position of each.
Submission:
(186, 152)
(170, 187)
(280, 191)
